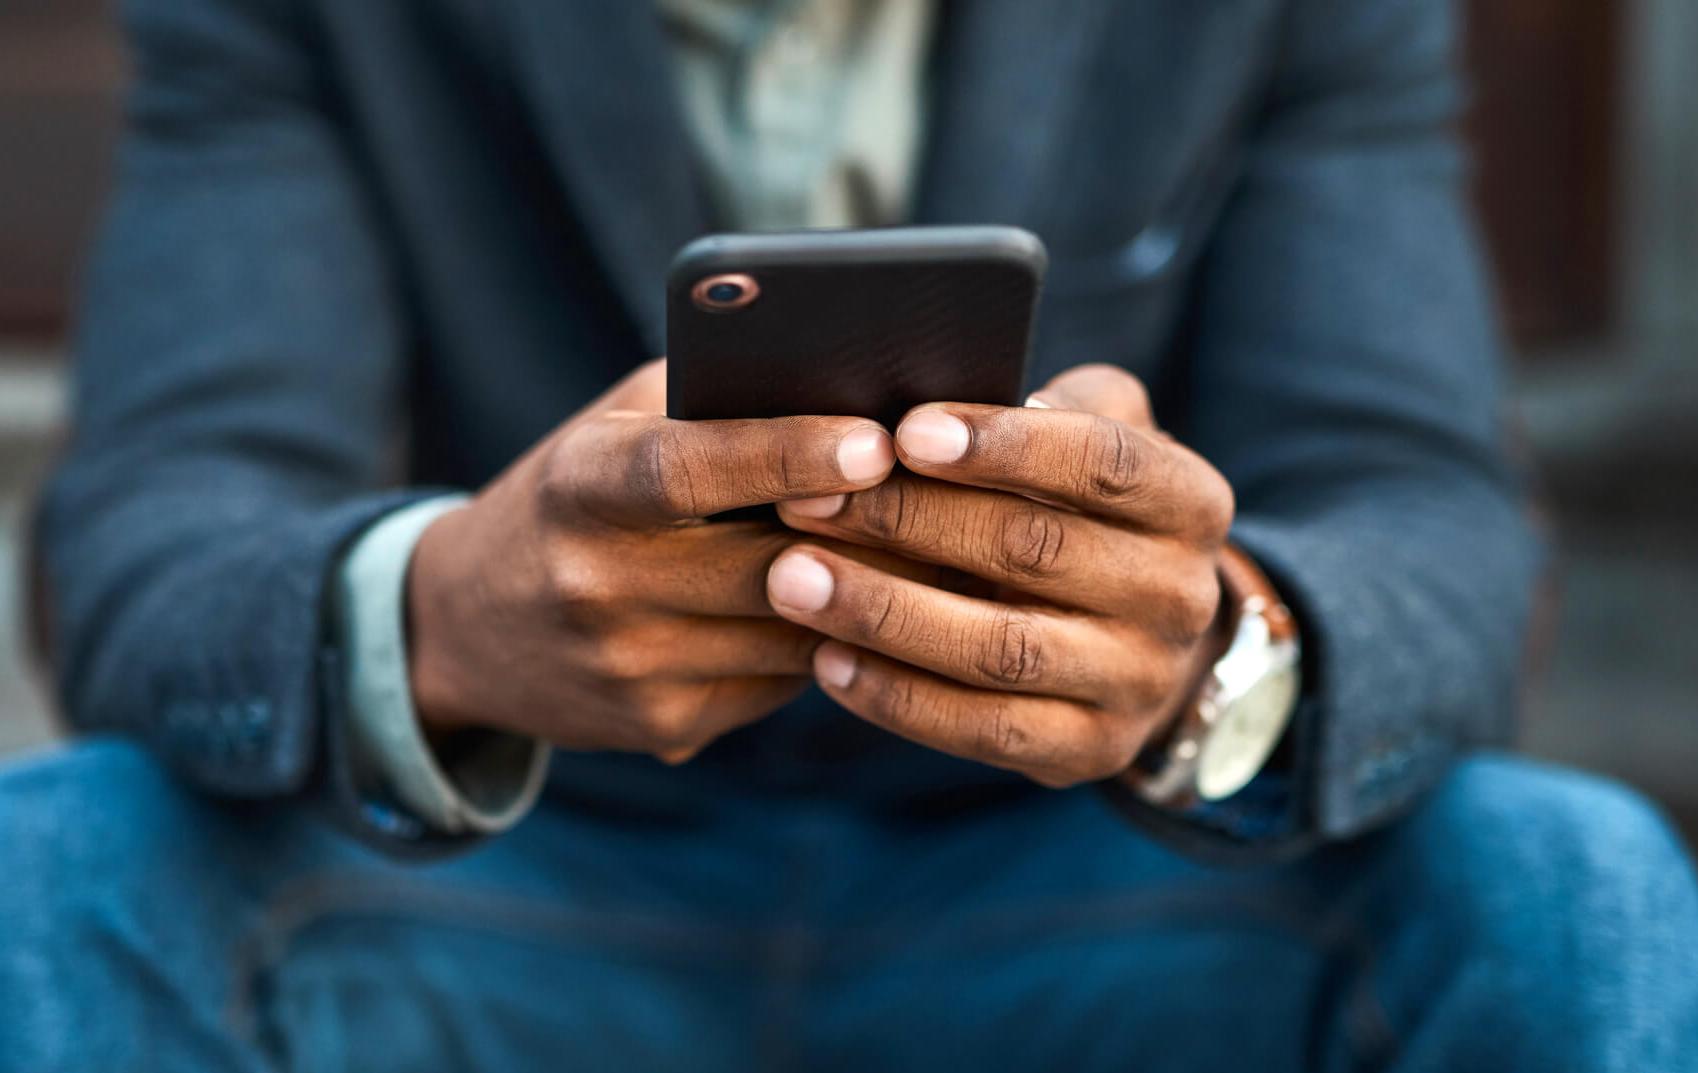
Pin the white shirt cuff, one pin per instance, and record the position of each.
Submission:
(485, 787)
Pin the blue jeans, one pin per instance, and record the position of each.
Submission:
(1524, 919)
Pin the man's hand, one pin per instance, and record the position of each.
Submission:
(576, 598)
(1100, 536)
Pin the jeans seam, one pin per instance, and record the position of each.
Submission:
(299, 905)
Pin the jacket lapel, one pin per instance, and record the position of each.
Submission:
(599, 79)
(1007, 76)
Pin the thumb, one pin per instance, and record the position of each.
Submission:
(1104, 390)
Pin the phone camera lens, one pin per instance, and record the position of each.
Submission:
(725, 294)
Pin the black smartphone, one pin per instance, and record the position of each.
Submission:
(863, 323)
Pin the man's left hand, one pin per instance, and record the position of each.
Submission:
(1097, 535)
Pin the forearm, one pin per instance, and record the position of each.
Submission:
(455, 786)
(223, 642)
(1414, 589)
(239, 369)
(195, 619)
(1344, 374)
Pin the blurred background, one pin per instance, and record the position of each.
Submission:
(1586, 139)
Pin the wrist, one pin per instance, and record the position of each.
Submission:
(465, 783)
(1206, 652)
(1232, 721)
(429, 614)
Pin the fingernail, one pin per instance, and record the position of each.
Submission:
(834, 664)
(865, 455)
(817, 507)
(799, 582)
(933, 436)
(1036, 402)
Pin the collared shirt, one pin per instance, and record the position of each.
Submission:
(803, 113)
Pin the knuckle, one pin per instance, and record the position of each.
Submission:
(1031, 541)
(678, 757)
(1114, 759)
(1219, 506)
(1003, 736)
(1015, 654)
(555, 490)
(889, 512)
(888, 617)
(667, 471)
(1161, 682)
(781, 468)
(618, 659)
(575, 586)
(793, 649)
(1210, 504)
(668, 719)
(768, 465)
(559, 480)
(1113, 461)
(1126, 738)
(1196, 607)
(898, 699)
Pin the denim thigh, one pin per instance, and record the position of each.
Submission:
(145, 926)
(1522, 918)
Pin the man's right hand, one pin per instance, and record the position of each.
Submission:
(579, 600)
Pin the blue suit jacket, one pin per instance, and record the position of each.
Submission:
(362, 251)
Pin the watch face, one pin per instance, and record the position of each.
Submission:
(1245, 732)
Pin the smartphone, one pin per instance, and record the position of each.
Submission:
(862, 323)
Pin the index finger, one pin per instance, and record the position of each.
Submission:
(635, 469)
(1096, 465)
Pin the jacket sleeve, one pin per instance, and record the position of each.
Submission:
(238, 374)
(1344, 375)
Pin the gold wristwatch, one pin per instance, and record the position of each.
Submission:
(1225, 735)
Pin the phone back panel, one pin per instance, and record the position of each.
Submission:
(862, 323)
